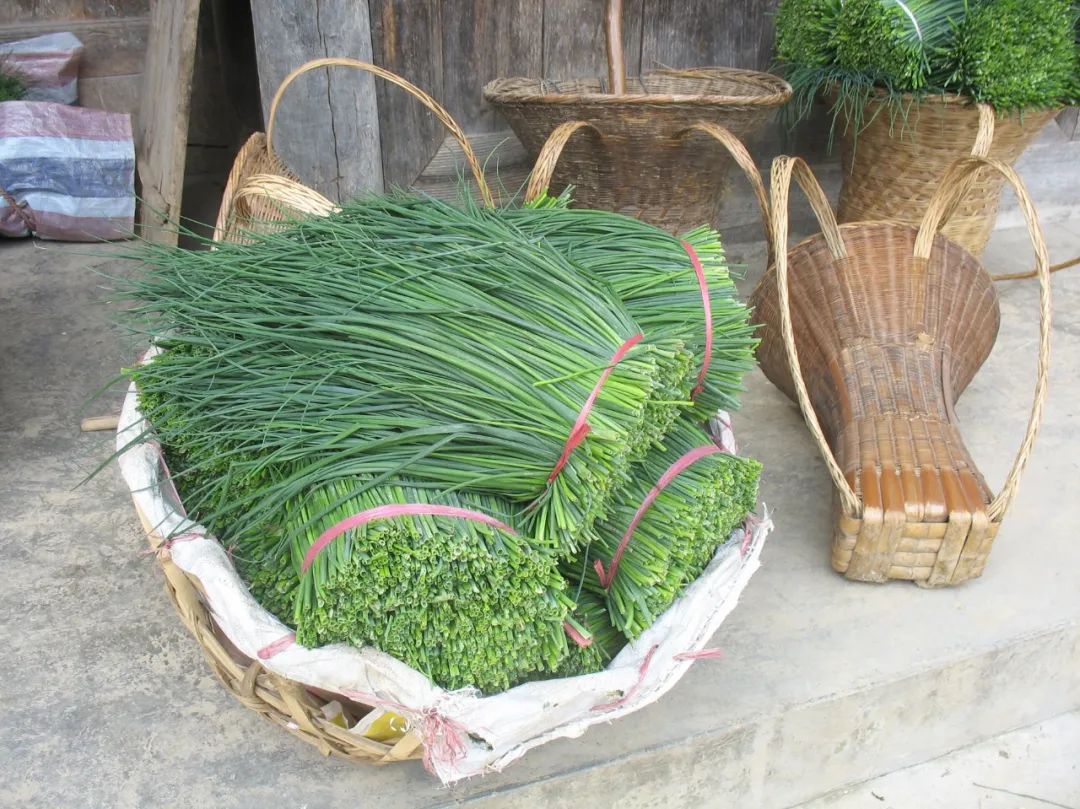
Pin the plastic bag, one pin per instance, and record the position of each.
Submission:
(48, 65)
(66, 173)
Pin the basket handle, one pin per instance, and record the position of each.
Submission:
(616, 70)
(540, 177)
(393, 78)
(782, 170)
(288, 192)
(984, 139)
(741, 156)
(953, 186)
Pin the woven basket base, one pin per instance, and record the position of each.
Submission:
(284, 702)
(931, 554)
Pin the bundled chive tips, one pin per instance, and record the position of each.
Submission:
(1011, 54)
(535, 367)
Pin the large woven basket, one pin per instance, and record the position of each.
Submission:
(894, 162)
(262, 194)
(884, 326)
(642, 146)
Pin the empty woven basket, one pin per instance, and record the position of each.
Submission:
(884, 326)
(638, 146)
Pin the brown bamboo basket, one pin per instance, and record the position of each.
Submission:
(892, 164)
(261, 190)
(285, 702)
(640, 146)
(261, 193)
(883, 327)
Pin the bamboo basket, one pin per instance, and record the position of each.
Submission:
(261, 190)
(262, 194)
(883, 327)
(642, 146)
(893, 164)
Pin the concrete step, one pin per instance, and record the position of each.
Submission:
(1032, 768)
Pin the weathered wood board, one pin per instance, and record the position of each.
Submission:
(699, 33)
(452, 48)
(327, 129)
(162, 124)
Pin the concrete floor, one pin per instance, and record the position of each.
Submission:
(107, 702)
(1032, 768)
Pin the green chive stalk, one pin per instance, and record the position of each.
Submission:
(896, 38)
(1015, 54)
(405, 338)
(804, 31)
(465, 603)
(590, 613)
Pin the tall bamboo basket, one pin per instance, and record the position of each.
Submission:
(876, 330)
(894, 163)
(640, 146)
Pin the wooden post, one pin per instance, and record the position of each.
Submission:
(328, 123)
(164, 109)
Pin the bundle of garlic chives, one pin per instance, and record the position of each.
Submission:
(417, 340)
(682, 503)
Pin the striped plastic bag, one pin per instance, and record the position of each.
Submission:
(48, 65)
(66, 173)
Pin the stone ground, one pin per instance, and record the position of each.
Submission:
(1033, 768)
(107, 702)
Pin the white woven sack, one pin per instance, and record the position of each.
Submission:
(466, 734)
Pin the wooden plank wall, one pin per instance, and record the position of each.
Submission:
(327, 128)
(452, 48)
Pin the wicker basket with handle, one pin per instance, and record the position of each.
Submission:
(261, 190)
(262, 195)
(883, 327)
(892, 164)
(641, 146)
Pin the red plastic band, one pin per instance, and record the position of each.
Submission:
(278, 646)
(608, 576)
(707, 306)
(703, 654)
(581, 427)
(582, 641)
(634, 688)
(397, 510)
(444, 739)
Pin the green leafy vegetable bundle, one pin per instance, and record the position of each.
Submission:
(467, 603)
(1011, 54)
(657, 542)
(394, 336)
(416, 425)
(653, 273)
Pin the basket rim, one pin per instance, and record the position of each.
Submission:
(881, 95)
(887, 224)
(496, 90)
